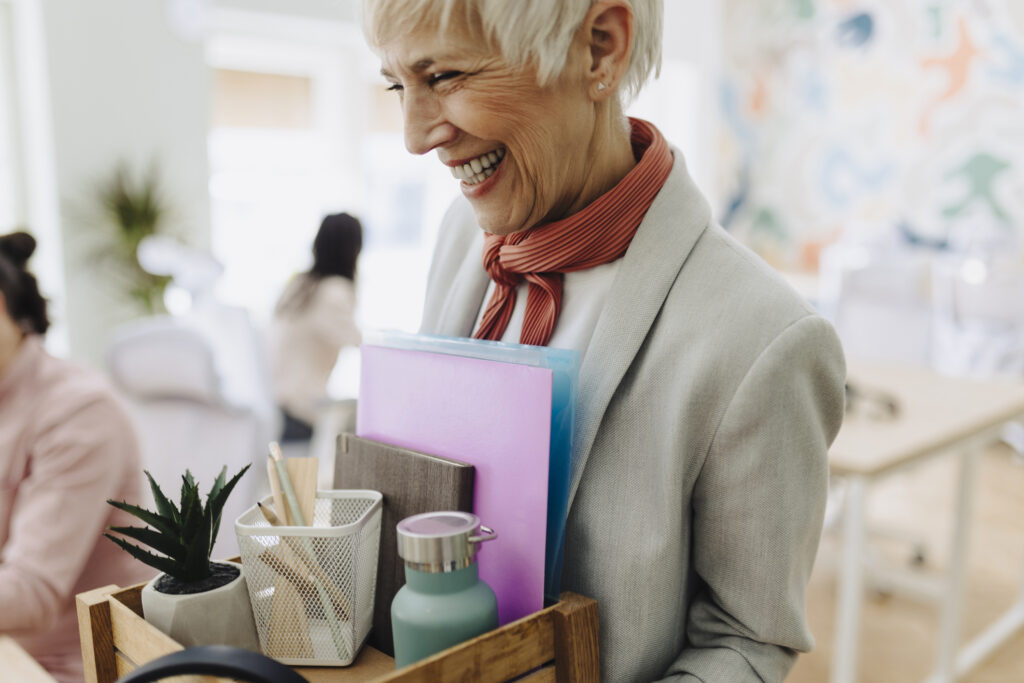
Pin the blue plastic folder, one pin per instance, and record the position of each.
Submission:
(565, 367)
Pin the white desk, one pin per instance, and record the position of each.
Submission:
(938, 416)
(17, 665)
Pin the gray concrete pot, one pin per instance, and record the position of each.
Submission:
(222, 616)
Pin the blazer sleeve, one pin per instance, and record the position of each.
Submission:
(79, 460)
(758, 510)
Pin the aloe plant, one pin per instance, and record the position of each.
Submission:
(183, 534)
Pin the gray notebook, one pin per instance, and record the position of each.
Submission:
(411, 483)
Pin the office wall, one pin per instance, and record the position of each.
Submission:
(894, 117)
(127, 83)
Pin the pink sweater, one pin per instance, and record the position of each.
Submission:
(66, 446)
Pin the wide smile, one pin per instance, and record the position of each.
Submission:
(477, 170)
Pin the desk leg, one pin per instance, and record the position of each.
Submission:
(952, 605)
(851, 583)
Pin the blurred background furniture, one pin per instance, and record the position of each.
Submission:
(877, 297)
(194, 391)
(936, 416)
(558, 643)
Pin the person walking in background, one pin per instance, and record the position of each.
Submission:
(313, 320)
(66, 446)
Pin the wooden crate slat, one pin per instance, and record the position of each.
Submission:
(94, 632)
(577, 656)
(138, 640)
(494, 657)
(130, 597)
(545, 675)
(126, 666)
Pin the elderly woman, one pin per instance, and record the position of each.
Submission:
(709, 391)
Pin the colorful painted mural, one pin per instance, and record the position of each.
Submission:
(846, 117)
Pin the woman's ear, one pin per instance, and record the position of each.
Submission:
(608, 27)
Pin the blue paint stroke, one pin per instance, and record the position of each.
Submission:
(729, 100)
(1011, 70)
(813, 90)
(911, 236)
(855, 31)
(843, 178)
(739, 197)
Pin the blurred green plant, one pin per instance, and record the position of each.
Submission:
(135, 209)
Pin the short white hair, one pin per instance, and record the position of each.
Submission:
(523, 30)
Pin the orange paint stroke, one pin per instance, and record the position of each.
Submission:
(759, 96)
(958, 68)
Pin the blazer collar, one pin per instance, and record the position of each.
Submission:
(676, 219)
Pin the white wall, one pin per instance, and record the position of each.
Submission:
(683, 101)
(123, 86)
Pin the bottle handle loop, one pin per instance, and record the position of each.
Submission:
(488, 535)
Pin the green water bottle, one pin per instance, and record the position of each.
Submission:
(443, 601)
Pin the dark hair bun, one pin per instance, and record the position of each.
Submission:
(18, 247)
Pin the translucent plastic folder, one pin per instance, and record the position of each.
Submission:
(564, 368)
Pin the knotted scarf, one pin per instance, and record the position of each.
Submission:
(597, 234)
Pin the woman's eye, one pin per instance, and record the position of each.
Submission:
(443, 76)
(394, 87)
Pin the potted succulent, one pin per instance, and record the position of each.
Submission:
(193, 600)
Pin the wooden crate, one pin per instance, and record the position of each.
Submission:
(558, 643)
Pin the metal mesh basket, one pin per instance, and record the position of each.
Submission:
(312, 587)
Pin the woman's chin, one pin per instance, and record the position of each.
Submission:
(495, 220)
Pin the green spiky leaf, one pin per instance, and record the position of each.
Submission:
(163, 564)
(215, 503)
(158, 522)
(163, 503)
(168, 545)
(197, 559)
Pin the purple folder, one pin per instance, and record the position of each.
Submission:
(495, 416)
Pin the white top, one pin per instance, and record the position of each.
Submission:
(583, 295)
(304, 344)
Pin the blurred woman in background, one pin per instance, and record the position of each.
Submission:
(313, 320)
(66, 447)
(709, 390)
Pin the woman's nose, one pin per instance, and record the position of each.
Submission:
(426, 128)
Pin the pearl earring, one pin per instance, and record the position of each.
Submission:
(601, 86)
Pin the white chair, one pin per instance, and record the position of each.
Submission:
(175, 391)
(978, 315)
(878, 299)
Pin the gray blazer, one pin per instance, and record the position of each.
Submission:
(709, 395)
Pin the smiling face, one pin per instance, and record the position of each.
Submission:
(521, 153)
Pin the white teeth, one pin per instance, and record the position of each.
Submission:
(479, 169)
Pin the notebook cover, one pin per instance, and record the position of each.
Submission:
(411, 482)
(565, 367)
(493, 415)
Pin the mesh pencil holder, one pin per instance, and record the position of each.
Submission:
(312, 587)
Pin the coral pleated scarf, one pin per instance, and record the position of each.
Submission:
(597, 234)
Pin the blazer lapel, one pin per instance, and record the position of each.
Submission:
(466, 296)
(676, 219)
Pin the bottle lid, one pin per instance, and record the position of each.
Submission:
(441, 541)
